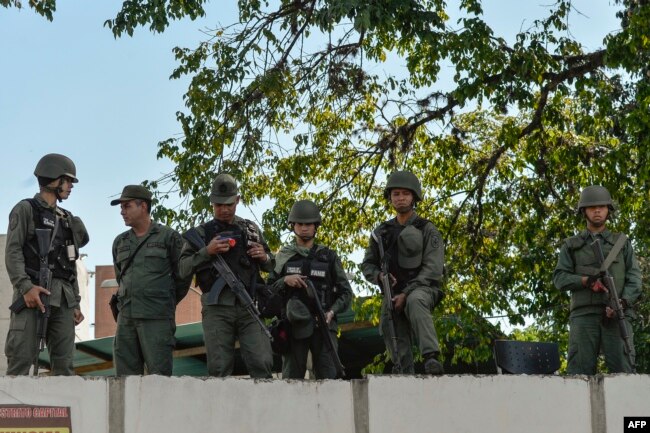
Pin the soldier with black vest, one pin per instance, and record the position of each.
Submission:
(56, 175)
(225, 320)
(593, 328)
(415, 254)
(295, 263)
(146, 260)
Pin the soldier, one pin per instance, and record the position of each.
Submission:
(146, 267)
(304, 259)
(593, 325)
(415, 254)
(56, 175)
(225, 319)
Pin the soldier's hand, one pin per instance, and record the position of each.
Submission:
(399, 302)
(218, 246)
(391, 278)
(33, 298)
(610, 312)
(296, 281)
(598, 287)
(329, 316)
(78, 317)
(256, 251)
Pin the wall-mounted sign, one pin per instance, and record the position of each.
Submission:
(23, 418)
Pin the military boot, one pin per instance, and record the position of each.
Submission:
(432, 365)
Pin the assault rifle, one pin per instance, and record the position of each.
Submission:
(325, 330)
(226, 278)
(615, 301)
(43, 237)
(384, 283)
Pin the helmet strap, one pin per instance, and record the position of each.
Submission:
(57, 190)
(304, 238)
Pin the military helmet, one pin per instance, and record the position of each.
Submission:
(595, 195)
(406, 180)
(224, 189)
(54, 165)
(305, 212)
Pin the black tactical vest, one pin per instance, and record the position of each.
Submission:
(61, 266)
(390, 233)
(236, 258)
(319, 268)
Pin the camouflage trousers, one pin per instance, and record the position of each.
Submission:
(589, 335)
(21, 346)
(141, 343)
(413, 325)
(294, 364)
(223, 325)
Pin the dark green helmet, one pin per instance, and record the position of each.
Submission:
(595, 195)
(405, 180)
(224, 189)
(54, 165)
(305, 212)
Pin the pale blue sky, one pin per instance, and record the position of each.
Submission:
(69, 87)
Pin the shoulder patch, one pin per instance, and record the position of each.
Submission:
(575, 242)
(436, 241)
(13, 221)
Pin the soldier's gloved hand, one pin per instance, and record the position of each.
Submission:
(391, 278)
(218, 246)
(590, 280)
(400, 302)
(256, 251)
(329, 316)
(33, 298)
(598, 287)
(296, 281)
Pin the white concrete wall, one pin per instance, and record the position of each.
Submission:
(484, 404)
(158, 404)
(87, 398)
(625, 395)
(82, 331)
(447, 404)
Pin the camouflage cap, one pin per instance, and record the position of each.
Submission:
(133, 192)
(410, 248)
(302, 324)
(224, 190)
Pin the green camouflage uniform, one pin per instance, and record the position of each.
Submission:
(21, 346)
(590, 332)
(147, 297)
(228, 320)
(421, 289)
(339, 293)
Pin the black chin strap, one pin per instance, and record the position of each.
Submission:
(56, 191)
(59, 190)
(303, 238)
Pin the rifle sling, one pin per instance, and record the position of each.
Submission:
(132, 256)
(613, 252)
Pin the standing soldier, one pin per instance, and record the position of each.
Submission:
(146, 267)
(297, 262)
(593, 324)
(56, 174)
(415, 255)
(241, 245)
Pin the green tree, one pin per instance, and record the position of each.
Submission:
(295, 100)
